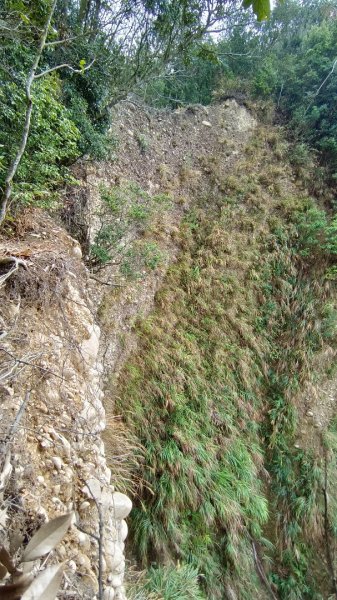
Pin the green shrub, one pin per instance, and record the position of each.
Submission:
(52, 143)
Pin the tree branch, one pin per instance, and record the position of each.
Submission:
(64, 66)
(26, 126)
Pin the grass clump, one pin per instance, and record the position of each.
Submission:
(126, 213)
(179, 582)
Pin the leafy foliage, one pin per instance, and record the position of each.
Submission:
(52, 143)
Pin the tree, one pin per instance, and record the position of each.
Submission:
(109, 48)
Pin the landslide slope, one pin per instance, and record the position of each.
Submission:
(224, 392)
(205, 314)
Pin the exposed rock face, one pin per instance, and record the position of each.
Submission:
(57, 451)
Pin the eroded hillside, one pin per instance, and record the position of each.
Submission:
(185, 360)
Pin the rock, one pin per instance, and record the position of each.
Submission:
(121, 505)
(83, 540)
(56, 501)
(66, 447)
(76, 251)
(44, 408)
(120, 568)
(69, 473)
(206, 123)
(92, 489)
(116, 581)
(120, 594)
(57, 462)
(72, 566)
(310, 413)
(46, 444)
(123, 530)
(90, 346)
(83, 561)
(106, 499)
(113, 555)
(109, 593)
(40, 479)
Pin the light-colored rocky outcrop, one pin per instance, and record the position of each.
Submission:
(57, 452)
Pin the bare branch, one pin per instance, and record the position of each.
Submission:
(64, 66)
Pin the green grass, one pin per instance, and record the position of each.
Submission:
(210, 394)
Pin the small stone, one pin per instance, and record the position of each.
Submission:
(109, 593)
(40, 479)
(66, 447)
(57, 462)
(46, 444)
(77, 252)
(116, 581)
(310, 413)
(83, 541)
(92, 489)
(121, 505)
(83, 561)
(72, 566)
(206, 123)
(123, 530)
(114, 556)
(56, 500)
(120, 568)
(84, 505)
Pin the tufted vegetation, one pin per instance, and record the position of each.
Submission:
(210, 393)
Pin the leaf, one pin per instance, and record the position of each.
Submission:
(260, 7)
(46, 585)
(24, 18)
(7, 560)
(47, 537)
(28, 566)
(15, 541)
(14, 591)
(82, 64)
